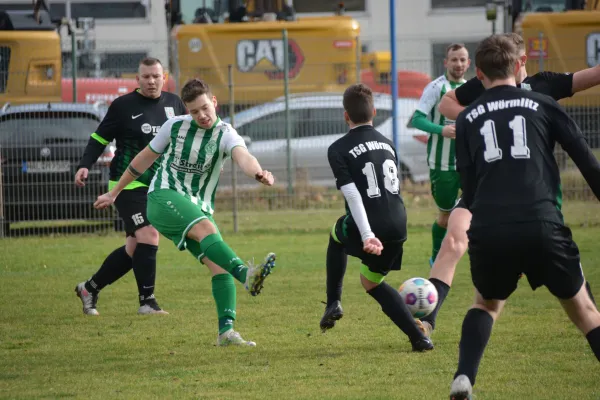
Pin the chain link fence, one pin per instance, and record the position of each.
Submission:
(287, 123)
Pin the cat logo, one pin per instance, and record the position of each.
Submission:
(170, 112)
(593, 49)
(266, 56)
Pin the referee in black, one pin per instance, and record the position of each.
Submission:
(132, 120)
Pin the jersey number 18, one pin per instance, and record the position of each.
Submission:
(390, 178)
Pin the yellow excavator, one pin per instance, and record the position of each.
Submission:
(243, 43)
(30, 57)
(564, 36)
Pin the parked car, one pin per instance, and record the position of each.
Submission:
(316, 121)
(40, 147)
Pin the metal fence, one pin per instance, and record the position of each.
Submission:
(288, 126)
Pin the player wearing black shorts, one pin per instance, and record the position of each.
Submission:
(556, 85)
(132, 120)
(365, 167)
(511, 184)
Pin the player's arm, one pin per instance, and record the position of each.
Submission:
(464, 164)
(98, 141)
(235, 146)
(454, 101)
(585, 79)
(427, 102)
(142, 161)
(250, 166)
(570, 137)
(344, 182)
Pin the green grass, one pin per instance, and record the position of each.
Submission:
(48, 349)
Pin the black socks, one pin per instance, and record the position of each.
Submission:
(117, 264)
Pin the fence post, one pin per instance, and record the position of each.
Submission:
(73, 60)
(2, 225)
(288, 126)
(358, 60)
(233, 165)
(541, 50)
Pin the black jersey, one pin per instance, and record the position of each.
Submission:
(367, 158)
(505, 156)
(132, 120)
(554, 84)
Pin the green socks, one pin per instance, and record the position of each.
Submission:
(217, 251)
(437, 234)
(223, 289)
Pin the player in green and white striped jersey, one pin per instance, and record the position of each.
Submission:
(181, 196)
(445, 181)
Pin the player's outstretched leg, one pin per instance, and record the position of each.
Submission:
(213, 247)
(476, 332)
(394, 307)
(584, 314)
(336, 268)
(453, 247)
(115, 266)
(224, 294)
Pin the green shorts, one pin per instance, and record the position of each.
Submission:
(445, 186)
(173, 215)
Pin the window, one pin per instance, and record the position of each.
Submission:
(270, 126)
(383, 115)
(543, 5)
(46, 127)
(328, 6)
(439, 53)
(4, 63)
(322, 121)
(107, 10)
(57, 8)
(458, 3)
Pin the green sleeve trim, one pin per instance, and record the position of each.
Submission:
(100, 139)
(420, 121)
(154, 151)
(132, 185)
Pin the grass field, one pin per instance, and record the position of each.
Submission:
(49, 350)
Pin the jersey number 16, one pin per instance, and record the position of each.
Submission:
(390, 178)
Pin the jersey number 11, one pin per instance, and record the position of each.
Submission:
(519, 148)
(390, 178)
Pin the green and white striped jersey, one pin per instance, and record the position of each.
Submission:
(192, 158)
(440, 150)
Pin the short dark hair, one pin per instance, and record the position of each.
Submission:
(496, 57)
(517, 40)
(454, 47)
(358, 103)
(150, 61)
(193, 89)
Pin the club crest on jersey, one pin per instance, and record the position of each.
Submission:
(210, 148)
(526, 86)
(170, 111)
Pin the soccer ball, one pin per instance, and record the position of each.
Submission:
(420, 296)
